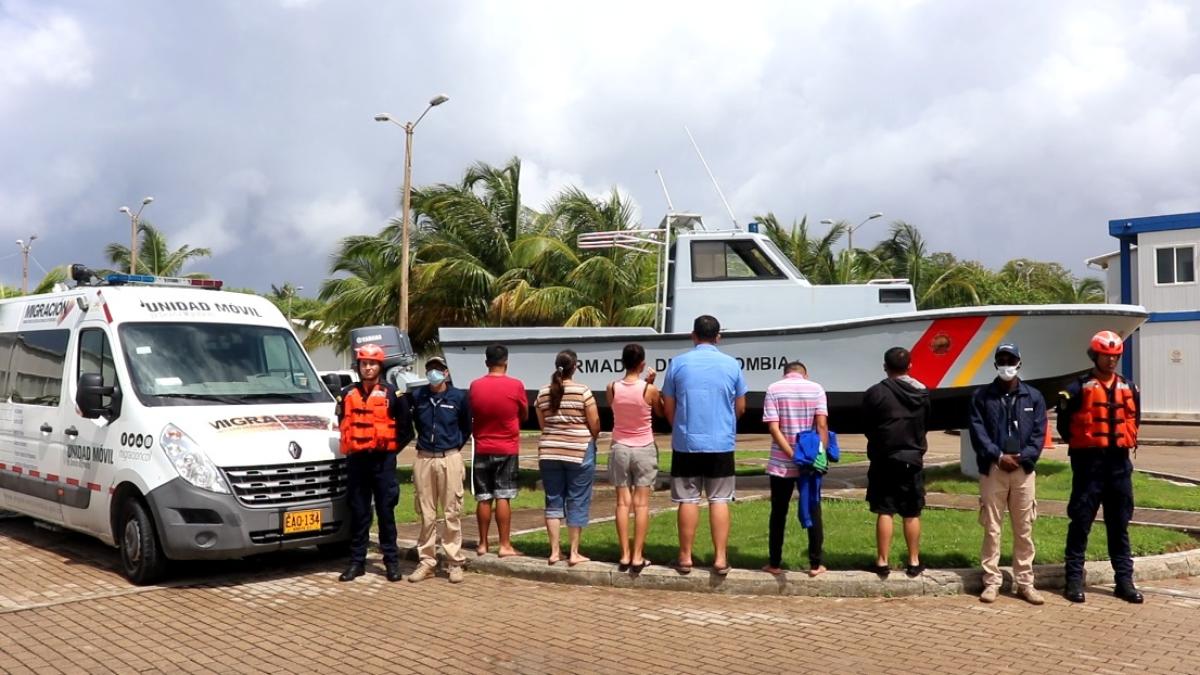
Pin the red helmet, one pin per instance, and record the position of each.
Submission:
(1107, 342)
(369, 353)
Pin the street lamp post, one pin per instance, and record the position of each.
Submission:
(133, 228)
(408, 127)
(850, 232)
(26, 246)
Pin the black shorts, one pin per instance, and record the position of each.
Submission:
(701, 464)
(895, 488)
(495, 477)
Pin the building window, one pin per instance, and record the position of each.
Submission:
(1175, 265)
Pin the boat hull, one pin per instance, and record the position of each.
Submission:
(951, 350)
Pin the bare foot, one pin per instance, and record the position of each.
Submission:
(552, 560)
(817, 571)
(576, 559)
(508, 552)
(772, 570)
(481, 550)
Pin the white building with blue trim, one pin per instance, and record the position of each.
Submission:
(1156, 267)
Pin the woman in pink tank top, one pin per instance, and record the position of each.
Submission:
(633, 459)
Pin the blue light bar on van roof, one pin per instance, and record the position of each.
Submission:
(152, 280)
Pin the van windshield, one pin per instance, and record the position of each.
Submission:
(218, 364)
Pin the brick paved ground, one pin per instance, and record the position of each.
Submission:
(66, 610)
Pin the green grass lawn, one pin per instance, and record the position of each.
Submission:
(1054, 482)
(950, 539)
(528, 497)
(664, 461)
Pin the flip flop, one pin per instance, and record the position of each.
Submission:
(683, 569)
(637, 569)
(722, 571)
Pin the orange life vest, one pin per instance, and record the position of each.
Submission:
(1098, 417)
(366, 424)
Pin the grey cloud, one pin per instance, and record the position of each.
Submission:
(1014, 130)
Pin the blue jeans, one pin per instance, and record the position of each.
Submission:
(569, 487)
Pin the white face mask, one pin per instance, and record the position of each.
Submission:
(435, 377)
(1007, 373)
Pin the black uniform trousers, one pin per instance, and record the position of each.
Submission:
(782, 490)
(1100, 476)
(372, 475)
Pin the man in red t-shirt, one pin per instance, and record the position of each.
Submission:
(498, 406)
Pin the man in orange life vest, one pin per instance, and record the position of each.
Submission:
(376, 424)
(1098, 417)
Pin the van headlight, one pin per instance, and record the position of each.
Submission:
(190, 461)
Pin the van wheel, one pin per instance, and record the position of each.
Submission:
(142, 559)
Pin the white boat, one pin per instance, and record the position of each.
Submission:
(771, 314)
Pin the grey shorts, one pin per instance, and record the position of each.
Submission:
(693, 472)
(630, 466)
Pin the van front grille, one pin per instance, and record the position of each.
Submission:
(284, 484)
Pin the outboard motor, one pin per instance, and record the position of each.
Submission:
(399, 356)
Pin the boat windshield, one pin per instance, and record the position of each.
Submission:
(783, 259)
(218, 364)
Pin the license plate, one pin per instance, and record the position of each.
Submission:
(301, 521)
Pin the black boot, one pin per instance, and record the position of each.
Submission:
(353, 570)
(1074, 591)
(393, 570)
(1126, 591)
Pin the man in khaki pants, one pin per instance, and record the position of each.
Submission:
(1008, 427)
(442, 416)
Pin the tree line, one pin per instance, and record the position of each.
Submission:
(482, 257)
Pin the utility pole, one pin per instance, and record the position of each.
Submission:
(26, 247)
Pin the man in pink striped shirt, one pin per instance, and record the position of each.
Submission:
(792, 405)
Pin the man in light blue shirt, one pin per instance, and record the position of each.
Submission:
(704, 393)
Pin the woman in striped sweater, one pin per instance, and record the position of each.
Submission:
(570, 424)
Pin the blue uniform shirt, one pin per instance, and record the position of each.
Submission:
(704, 383)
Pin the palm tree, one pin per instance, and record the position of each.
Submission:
(1087, 290)
(814, 257)
(155, 256)
(464, 240)
(550, 281)
(368, 294)
(54, 276)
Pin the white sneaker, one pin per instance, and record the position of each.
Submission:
(422, 573)
(456, 574)
(1031, 595)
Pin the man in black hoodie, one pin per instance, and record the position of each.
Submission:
(895, 413)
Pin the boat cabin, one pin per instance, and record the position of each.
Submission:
(742, 278)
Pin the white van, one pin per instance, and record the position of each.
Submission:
(168, 418)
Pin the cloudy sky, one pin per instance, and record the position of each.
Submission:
(1018, 131)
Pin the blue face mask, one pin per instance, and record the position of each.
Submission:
(435, 377)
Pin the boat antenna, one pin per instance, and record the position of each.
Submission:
(663, 183)
(712, 177)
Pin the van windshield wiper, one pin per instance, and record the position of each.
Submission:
(278, 395)
(217, 398)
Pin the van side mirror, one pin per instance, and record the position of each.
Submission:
(90, 397)
(333, 382)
